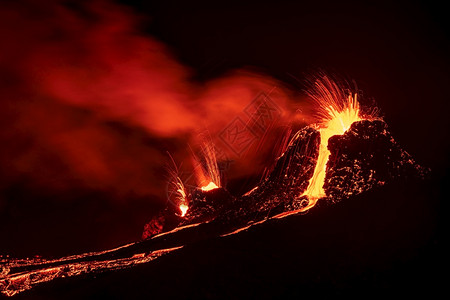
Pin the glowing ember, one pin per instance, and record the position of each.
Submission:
(210, 186)
(337, 114)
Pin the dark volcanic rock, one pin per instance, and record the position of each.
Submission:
(207, 205)
(364, 157)
(155, 226)
(277, 193)
(294, 168)
(290, 177)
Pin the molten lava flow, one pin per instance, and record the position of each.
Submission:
(23, 275)
(337, 113)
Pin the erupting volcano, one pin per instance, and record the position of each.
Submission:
(338, 114)
(347, 152)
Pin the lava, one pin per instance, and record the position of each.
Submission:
(337, 114)
(184, 208)
(182, 198)
(210, 186)
(40, 271)
(176, 186)
(206, 169)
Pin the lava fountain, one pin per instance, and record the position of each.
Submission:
(337, 113)
(206, 168)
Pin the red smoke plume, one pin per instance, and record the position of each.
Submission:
(89, 101)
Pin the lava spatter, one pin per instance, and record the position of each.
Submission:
(337, 112)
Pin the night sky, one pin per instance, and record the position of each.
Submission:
(93, 94)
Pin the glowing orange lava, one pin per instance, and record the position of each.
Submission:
(210, 186)
(337, 113)
(183, 208)
(207, 171)
(177, 188)
(182, 198)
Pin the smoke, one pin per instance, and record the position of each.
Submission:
(88, 101)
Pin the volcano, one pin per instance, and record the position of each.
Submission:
(361, 160)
